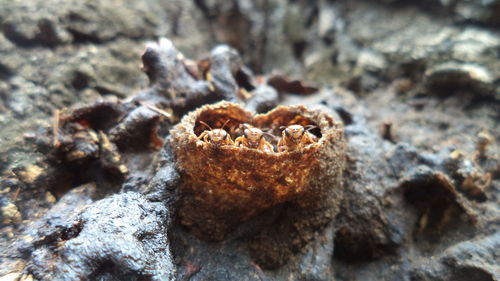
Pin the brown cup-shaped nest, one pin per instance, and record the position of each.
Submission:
(224, 185)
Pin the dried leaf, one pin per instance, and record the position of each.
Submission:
(282, 84)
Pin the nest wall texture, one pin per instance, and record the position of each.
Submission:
(228, 184)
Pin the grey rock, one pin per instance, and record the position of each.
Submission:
(483, 12)
(471, 260)
(449, 78)
(122, 237)
(263, 99)
(365, 228)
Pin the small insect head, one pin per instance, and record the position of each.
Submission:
(296, 131)
(216, 135)
(252, 133)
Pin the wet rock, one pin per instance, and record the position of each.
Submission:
(483, 12)
(44, 32)
(400, 48)
(163, 187)
(466, 261)
(46, 24)
(138, 130)
(315, 263)
(56, 216)
(248, 27)
(66, 209)
(171, 82)
(450, 78)
(100, 115)
(311, 263)
(369, 224)
(436, 199)
(198, 260)
(262, 99)
(122, 237)
(404, 157)
(224, 65)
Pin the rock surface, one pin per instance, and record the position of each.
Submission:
(120, 237)
(416, 84)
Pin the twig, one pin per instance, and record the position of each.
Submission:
(156, 109)
(16, 194)
(55, 128)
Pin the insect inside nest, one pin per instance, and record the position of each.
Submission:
(296, 137)
(216, 136)
(226, 185)
(254, 138)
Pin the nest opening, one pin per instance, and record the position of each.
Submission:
(232, 118)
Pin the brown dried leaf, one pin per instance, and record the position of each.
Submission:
(282, 84)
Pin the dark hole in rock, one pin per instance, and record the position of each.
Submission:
(72, 16)
(71, 175)
(138, 139)
(138, 131)
(5, 72)
(72, 232)
(329, 38)
(345, 115)
(435, 198)
(48, 35)
(108, 270)
(469, 273)
(298, 49)
(80, 37)
(413, 69)
(80, 80)
(315, 131)
(443, 126)
(99, 116)
(243, 81)
(450, 85)
(358, 247)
